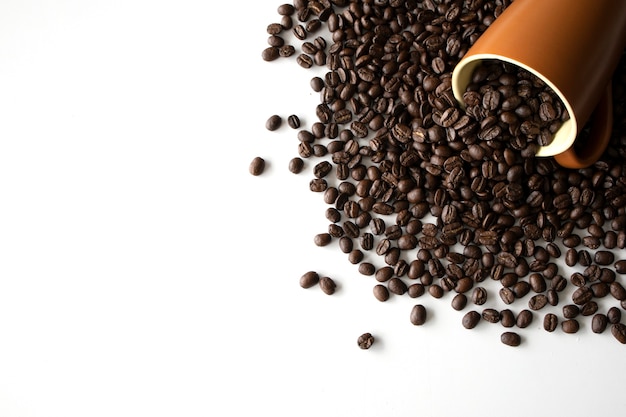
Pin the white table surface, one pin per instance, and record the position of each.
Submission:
(145, 272)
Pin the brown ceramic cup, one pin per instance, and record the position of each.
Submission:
(574, 46)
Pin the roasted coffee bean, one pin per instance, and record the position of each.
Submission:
(257, 166)
(582, 295)
(507, 295)
(524, 319)
(309, 279)
(603, 257)
(459, 301)
(293, 121)
(418, 315)
(537, 302)
(396, 286)
(436, 291)
(589, 308)
(510, 338)
(322, 239)
(479, 296)
(618, 330)
(570, 326)
(471, 319)
(617, 291)
(614, 315)
(327, 285)
(620, 266)
(507, 318)
(296, 165)
(270, 53)
(381, 292)
(491, 315)
(570, 311)
(273, 122)
(599, 323)
(367, 268)
(365, 341)
(550, 322)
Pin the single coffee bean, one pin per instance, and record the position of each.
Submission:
(618, 330)
(396, 286)
(479, 296)
(327, 285)
(570, 326)
(416, 290)
(614, 315)
(367, 268)
(507, 295)
(570, 311)
(537, 302)
(309, 279)
(381, 292)
(599, 323)
(418, 315)
(524, 318)
(603, 257)
(365, 341)
(459, 301)
(620, 266)
(322, 239)
(582, 295)
(471, 319)
(293, 121)
(507, 318)
(550, 322)
(296, 165)
(491, 315)
(270, 53)
(257, 166)
(436, 291)
(510, 339)
(617, 291)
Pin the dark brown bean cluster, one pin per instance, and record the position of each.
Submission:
(451, 199)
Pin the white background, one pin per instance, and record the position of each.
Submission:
(145, 272)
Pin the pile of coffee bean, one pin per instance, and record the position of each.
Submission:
(451, 197)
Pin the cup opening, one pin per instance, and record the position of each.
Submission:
(562, 140)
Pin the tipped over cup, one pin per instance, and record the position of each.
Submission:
(573, 47)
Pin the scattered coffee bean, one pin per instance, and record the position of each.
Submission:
(550, 322)
(570, 326)
(295, 165)
(381, 292)
(471, 319)
(418, 315)
(618, 330)
(322, 239)
(510, 339)
(365, 341)
(327, 285)
(599, 323)
(309, 279)
(293, 121)
(257, 166)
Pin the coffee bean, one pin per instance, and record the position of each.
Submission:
(322, 239)
(614, 315)
(550, 322)
(471, 319)
(296, 165)
(570, 326)
(270, 53)
(510, 339)
(537, 302)
(459, 301)
(524, 319)
(618, 330)
(603, 257)
(381, 292)
(309, 279)
(293, 121)
(479, 296)
(570, 311)
(617, 291)
(367, 268)
(491, 315)
(418, 315)
(620, 266)
(327, 285)
(257, 166)
(365, 341)
(599, 323)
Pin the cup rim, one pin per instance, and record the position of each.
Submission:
(562, 140)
